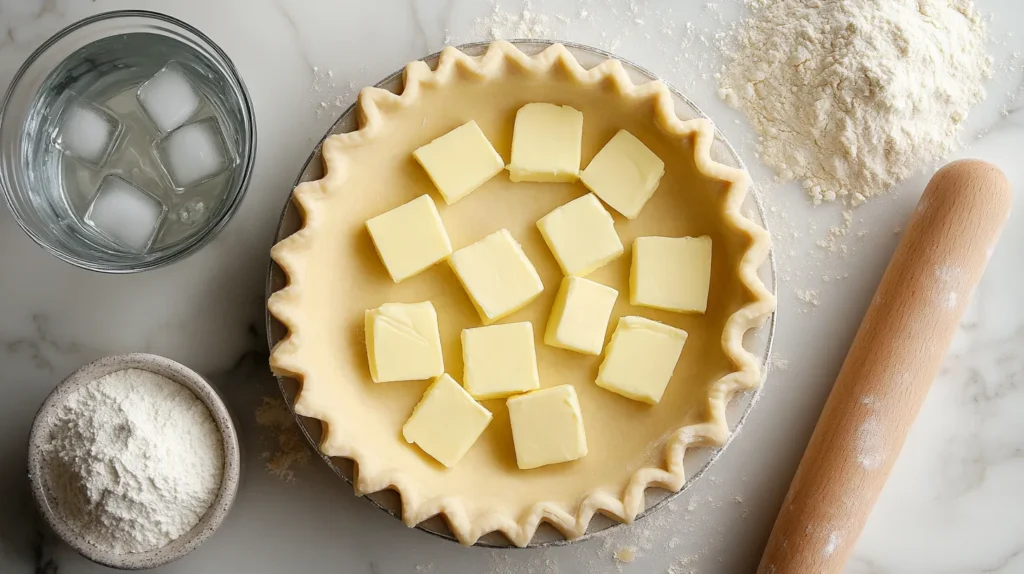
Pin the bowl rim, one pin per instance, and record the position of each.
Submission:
(248, 161)
(218, 509)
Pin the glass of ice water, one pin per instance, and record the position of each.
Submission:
(126, 142)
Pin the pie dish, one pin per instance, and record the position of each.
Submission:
(334, 276)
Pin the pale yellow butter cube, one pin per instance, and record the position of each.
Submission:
(499, 360)
(546, 143)
(579, 318)
(403, 343)
(498, 277)
(547, 427)
(640, 359)
(624, 174)
(459, 161)
(410, 238)
(581, 235)
(446, 422)
(671, 273)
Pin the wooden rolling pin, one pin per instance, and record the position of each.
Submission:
(894, 358)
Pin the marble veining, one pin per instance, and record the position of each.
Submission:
(952, 506)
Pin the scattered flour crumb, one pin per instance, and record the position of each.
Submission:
(291, 449)
(526, 23)
(512, 562)
(625, 554)
(329, 97)
(832, 242)
(778, 363)
(809, 296)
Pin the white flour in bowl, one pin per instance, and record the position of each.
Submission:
(852, 96)
(134, 461)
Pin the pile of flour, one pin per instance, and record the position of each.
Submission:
(852, 96)
(134, 461)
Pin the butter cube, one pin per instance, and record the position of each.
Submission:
(403, 343)
(446, 422)
(624, 174)
(580, 315)
(410, 238)
(581, 235)
(499, 360)
(547, 427)
(459, 161)
(546, 143)
(671, 273)
(639, 360)
(496, 274)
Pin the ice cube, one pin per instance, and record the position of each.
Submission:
(169, 98)
(125, 214)
(88, 132)
(194, 153)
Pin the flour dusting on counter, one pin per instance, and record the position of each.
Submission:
(291, 450)
(852, 97)
(501, 24)
(626, 554)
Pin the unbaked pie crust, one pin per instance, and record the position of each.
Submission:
(334, 275)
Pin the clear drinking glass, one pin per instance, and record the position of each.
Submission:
(98, 65)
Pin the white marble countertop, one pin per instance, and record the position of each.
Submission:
(954, 504)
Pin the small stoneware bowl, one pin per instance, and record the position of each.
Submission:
(214, 515)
